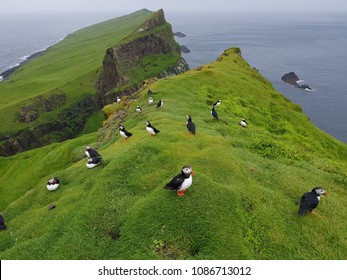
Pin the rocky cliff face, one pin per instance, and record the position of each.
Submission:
(153, 38)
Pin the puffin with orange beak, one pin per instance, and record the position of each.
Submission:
(310, 200)
(181, 182)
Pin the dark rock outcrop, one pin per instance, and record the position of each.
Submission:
(67, 125)
(29, 113)
(179, 34)
(153, 37)
(292, 79)
(184, 49)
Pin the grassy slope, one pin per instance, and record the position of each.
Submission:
(245, 192)
(69, 66)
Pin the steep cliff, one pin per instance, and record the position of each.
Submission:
(59, 110)
(149, 51)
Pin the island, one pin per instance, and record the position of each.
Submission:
(179, 34)
(292, 79)
(184, 49)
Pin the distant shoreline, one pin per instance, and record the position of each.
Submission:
(6, 74)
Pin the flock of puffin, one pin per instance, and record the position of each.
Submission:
(181, 182)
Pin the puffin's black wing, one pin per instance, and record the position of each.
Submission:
(308, 202)
(93, 153)
(96, 160)
(175, 183)
(214, 113)
(191, 127)
(127, 133)
(155, 130)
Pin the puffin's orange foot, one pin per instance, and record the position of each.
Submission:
(181, 192)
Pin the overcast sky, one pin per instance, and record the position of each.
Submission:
(128, 6)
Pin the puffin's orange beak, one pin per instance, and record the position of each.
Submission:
(325, 193)
(193, 173)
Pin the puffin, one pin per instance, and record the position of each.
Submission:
(118, 99)
(150, 100)
(149, 91)
(190, 125)
(92, 162)
(138, 110)
(243, 122)
(181, 182)
(2, 223)
(123, 132)
(53, 183)
(151, 130)
(217, 103)
(160, 103)
(214, 113)
(90, 153)
(310, 200)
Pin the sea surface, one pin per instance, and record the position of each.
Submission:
(311, 45)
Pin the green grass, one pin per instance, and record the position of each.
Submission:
(69, 66)
(245, 193)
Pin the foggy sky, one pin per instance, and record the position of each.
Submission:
(199, 6)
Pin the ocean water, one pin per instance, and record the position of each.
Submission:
(311, 45)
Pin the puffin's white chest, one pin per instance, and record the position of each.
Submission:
(92, 165)
(122, 133)
(150, 130)
(186, 183)
(52, 187)
(318, 197)
(87, 153)
(243, 123)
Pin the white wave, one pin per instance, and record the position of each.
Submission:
(25, 57)
(15, 65)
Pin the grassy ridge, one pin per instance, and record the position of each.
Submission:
(69, 66)
(245, 193)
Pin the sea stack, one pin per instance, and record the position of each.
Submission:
(292, 79)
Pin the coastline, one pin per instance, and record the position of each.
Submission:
(7, 73)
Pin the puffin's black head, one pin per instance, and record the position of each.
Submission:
(148, 123)
(187, 170)
(189, 117)
(53, 180)
(318, 191)
(87, 148)
(120, 127)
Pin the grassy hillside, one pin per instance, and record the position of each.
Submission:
(68, 67)
(244, 199)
